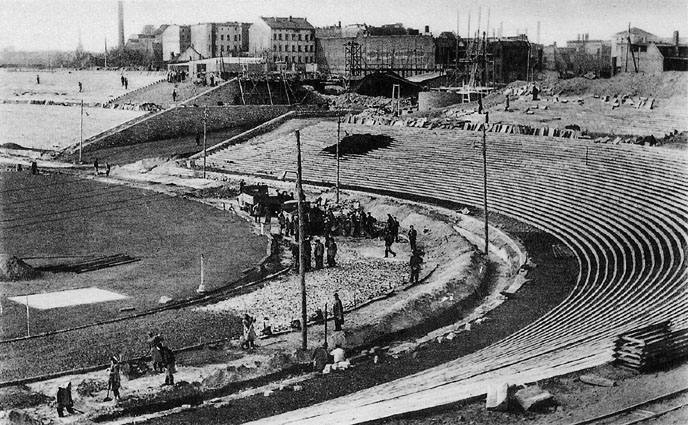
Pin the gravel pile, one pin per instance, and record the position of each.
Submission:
(356, 278)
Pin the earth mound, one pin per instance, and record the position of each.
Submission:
(13, 268)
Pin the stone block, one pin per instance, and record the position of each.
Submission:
(534, 398)
(597, 381)
(498, 397)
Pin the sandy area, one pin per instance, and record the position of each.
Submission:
(54, 127)
(63, 85)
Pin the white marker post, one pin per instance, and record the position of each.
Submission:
(201, 287)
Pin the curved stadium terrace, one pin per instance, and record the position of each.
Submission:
(621, 209)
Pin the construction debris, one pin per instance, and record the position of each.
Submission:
(534, 398)
(597, 381)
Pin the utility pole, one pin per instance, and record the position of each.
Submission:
(339, 127)
(205, 124)
(487, 239)
(81, 131)
(302, 238)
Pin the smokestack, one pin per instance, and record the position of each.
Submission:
(120, 22)
(501, 29)
(340, 24)
(676, 38)
(587, 36)
(538, 32)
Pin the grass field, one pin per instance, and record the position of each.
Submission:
(55, 127)
(63, 85)
(52, 219)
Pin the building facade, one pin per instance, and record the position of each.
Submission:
(356, 51)
(283, 42)
(636, 50)
(224, 39)
(175, 39)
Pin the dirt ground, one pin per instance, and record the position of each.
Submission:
(64, 122)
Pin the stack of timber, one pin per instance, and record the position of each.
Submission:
(90, 264)
(651, 347)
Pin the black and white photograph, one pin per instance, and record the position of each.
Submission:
(382, 212)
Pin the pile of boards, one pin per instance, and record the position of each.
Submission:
(651, 347)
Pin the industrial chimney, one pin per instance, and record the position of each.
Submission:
(676, 38)
(120, 22)
(427, 29)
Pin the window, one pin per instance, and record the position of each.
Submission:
(299, 48)
(274, 36)
(312, 47)
(274, 47)
(222, 37)
(299, 37)
(305, 37)
(279, 47)
(280, 36)
(293, 37)
(236, 38)
(299, 59)
(293, 48)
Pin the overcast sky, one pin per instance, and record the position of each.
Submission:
(55, 24)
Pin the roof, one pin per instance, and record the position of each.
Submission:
(160, 29)
(636, 31)
(289, 23)
(425, 77)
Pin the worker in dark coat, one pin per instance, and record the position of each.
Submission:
(389, 240)
(331, 253)
(319, 254)
(64, 400)
(412, 235)
(307, 252)
(338, 313)
(415, 263)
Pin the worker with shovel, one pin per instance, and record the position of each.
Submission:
(113, 380)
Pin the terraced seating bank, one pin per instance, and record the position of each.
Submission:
(619, 209)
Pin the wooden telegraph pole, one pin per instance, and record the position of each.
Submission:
(205, 125)
(339, 126)
(302, 238)
(81, 131)
(487, 239)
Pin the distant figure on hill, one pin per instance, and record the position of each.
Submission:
(121, 79)
(95, 166)
(535, 92)
(38, 79)
(412, 235)
(126, 84)
(174, 95)
(338, 313)
(198, 139)
(107, 169)
(506, 108)
(81, 87)
(34, 168)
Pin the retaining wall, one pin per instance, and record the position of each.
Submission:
(187, 120)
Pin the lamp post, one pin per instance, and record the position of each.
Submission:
(205, 124)
(339, 126)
